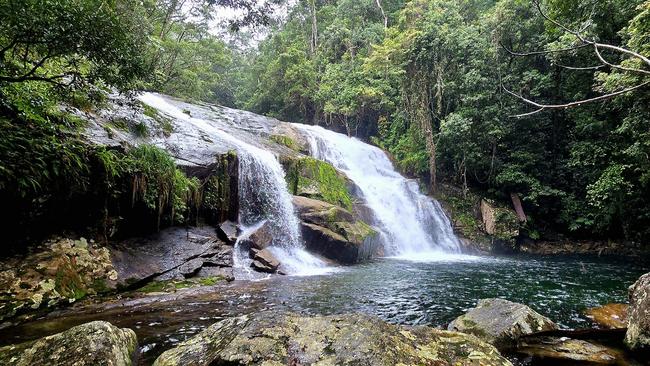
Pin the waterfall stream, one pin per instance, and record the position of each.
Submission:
(413, 225)
(263, 196)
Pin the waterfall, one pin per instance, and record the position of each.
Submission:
(263, 196)
(412, 225)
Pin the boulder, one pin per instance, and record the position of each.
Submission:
(271, 338)
(610, 316)
(637, 336)
(502, 224)
(94, 343)
(501, 322)
(59, 271)
(317, 179)
(334, 232)
(264, 261)
(173, 253)
(565, 351)
(260, 238)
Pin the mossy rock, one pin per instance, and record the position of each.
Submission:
(285, 141)
(271, 338)
(313, 178)
(94, 343)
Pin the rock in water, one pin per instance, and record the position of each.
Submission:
(610, 316)
(501, 322)
(569, 351)
(264, 261)
(638, 328)
(271, 338)
(334, 232)
(259, 239)
(96, 343)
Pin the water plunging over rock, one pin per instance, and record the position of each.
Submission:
(410, 223)
(263, 193)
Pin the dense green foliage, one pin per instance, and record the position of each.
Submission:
(434, 82)
(429, 88)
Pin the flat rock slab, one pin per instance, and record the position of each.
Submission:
(501, 322)
(172, 253)
(610, 316)
(96, 343)
(273, 339)
(570, 351)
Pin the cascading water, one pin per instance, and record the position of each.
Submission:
(263, 196)
(413, 226)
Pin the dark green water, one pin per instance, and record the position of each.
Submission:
(398, 291)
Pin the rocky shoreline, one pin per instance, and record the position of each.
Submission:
(495, 332)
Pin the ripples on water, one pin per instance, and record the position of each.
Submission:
(432, 290)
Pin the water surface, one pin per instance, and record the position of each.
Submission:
(400, 291)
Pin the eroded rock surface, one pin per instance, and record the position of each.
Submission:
(96, 343)
(174, 253)
(58, 272)
(638, 329)
(288, 339)
(501, 322)
(334, 232)
(264, 261)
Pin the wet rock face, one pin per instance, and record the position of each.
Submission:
(264, 261)
(638, 329)
(95, 343)
(174, 253)
(569, 351)
(610, 316)
(271, 338)
(59, 271)
(260, 238)
(501, 322)
(334, 232)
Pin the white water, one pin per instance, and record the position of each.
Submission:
(413, 226)
(263, 196)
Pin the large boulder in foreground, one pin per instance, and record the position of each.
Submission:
(637, 336)
(334, 232)
(271, 338)
(501, 322)
(96, 343)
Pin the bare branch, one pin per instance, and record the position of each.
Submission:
(543, 107)
(580, 68)
(541, 52)
(597, 45)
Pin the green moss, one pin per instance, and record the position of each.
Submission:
(68, 282)
(140, 129)
(211, 281)
(318, 179)
(150, 111)
(285, 141)
(119, 124)
(100, 286)
(155, 286)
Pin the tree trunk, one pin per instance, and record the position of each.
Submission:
(382, 13)
(314, 28)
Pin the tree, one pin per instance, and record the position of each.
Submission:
(65, 41)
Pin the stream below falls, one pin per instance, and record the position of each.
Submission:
(404, 292)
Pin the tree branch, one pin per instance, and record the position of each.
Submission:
(541, 52)
(543, 107)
